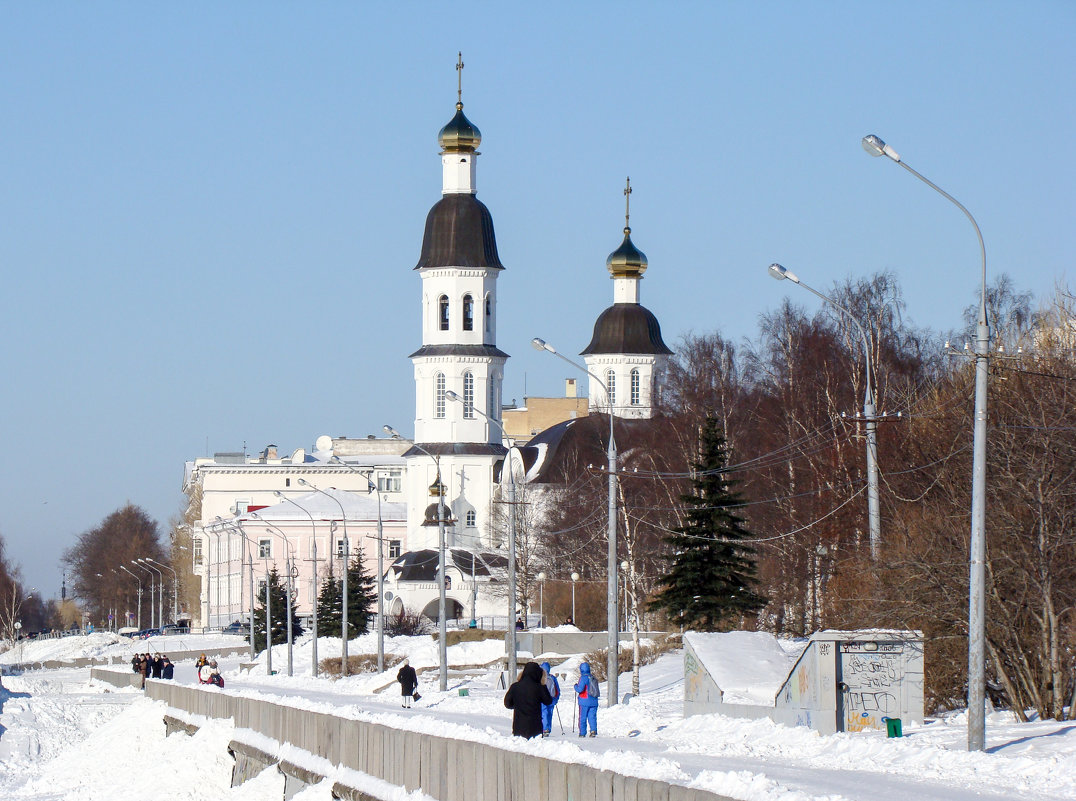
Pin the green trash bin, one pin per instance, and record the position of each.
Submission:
(464, 691)
(892, 727)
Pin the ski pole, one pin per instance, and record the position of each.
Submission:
(561, 722)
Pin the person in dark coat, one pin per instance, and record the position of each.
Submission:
(155, 666)
(144, 668)
(525, 698)
(167, 668)
(408, 682)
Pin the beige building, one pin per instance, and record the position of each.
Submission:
(537, 414)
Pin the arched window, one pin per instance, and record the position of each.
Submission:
(439, 396)
(635, 387)
(468, 396)
(489, 314)
(442, 312)
(610, 382)
(471, 519)
(468, 313)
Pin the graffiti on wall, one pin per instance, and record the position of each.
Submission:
(869, 685)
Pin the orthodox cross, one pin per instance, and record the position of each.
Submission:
(459, 78)
(627, 206)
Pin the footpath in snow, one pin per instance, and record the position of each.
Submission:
(94, 742)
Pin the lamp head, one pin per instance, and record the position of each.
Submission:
(779, 273)
(452, 396)
(392, 432)
(575, 577)
(278, 493)
(876, 147)
(303, 482)
(541, 344)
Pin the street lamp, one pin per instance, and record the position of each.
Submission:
(250, 564)
(977, 557)
(222, 527)
(611, 616)
(313, 582)
(139, 580)
(160, 590)
(372, 487)
(869, 415)
(143, 567)
(512, 634)
(442, 625)
(343, 583)
(541, 598)
(290, 590)
(175, 589)
(575, 578)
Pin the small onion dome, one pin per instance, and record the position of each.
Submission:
(460, 135)
(437, 488)
(431, 515)
(627, 261)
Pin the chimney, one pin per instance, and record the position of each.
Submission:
(569, 388)
(270, 452)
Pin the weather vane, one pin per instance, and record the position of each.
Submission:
(627, 206)
(459, 78)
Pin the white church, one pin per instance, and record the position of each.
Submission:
(305, 512)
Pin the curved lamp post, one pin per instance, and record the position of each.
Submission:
(151, 576)
(380, 568)
(290, 589)
(160, 590)
(313, 582)
(612, 618)
(512, 634)
(575, 578)
(222, 527)
(139, 580)
(869, 410)
(977, 557)
(175, 588)
(442, 625)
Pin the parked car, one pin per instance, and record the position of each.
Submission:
(236, 627)
(174, 628)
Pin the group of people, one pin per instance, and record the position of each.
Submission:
(208, 672)
(534, 696)
(152, 666)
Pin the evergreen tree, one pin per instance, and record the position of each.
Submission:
(361, 595)
(712, 574)
(278, 614)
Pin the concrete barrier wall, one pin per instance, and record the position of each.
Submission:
(446, 769)
(572, 642)
(137, 647)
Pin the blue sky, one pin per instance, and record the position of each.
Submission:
(209, 213)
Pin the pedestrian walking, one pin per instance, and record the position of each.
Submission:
(553, 686)
(167, 668)
(525, 698)
(587, 694)
(408, 683)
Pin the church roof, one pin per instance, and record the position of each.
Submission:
(422, 565)
(459, 233)
(455, 449)
(627, 328)
(491, 351)
(460, 135)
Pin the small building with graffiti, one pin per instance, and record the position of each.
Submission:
(834, 681)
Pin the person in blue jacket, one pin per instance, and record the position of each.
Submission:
(586, 690)
(553, 686)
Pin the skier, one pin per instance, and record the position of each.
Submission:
(526, 698)
(553, 686)
(587, 691)
(408, 683)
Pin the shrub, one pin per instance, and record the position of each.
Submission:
(648, 653)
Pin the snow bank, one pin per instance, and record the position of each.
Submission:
(748, 666)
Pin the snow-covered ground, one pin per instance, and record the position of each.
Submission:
(61, 737)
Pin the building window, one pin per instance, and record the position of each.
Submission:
(610, 383)
(489, 314)
(394, 549)
(389, 482)
(468, 396)
(492, 400)
(261, 588)
(439, 396)
(341, 551)
(471, 518)
(197, 543)
(635, 387)
(442, 312)
(265, 549)
(468, 313)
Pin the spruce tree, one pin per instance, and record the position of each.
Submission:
(278, 614)
(712, 572)
(361, 596)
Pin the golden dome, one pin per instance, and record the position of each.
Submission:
(627, 261)
(460, 135)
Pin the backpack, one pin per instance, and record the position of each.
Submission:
(592, 689)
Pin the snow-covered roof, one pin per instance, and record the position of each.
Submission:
(322, 506)
(748, 666)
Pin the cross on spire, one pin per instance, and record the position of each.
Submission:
(459, 79)
(627, 206)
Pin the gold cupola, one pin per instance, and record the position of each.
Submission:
(460, 135)
(627, 261)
